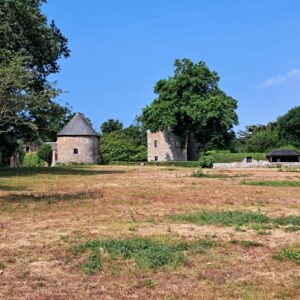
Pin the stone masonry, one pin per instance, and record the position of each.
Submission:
(165, 146)
(256, 164)
(78, 149)
(77, 142)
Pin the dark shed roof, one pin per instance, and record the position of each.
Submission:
(278, 152)
(78, 126)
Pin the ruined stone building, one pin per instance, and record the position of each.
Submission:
(166, 146)
(77, 142)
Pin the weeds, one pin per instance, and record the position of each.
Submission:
(292, 254)
(145, 252)
(292, 229)
(2, 265)
(224, 218)
(200, 174)
(263, 232)
(148, 283)
(279, 183)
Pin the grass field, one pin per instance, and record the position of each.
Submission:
(147, 232)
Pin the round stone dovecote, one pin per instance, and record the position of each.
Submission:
(78, 142)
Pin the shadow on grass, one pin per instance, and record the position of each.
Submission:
(7, 188)
(52, 197)
(12, 172)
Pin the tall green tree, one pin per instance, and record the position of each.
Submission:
(111, 125)
(289, 127)
(191, 102)
(262, 141)
(30, 48)
(137, 132)
(29, 53)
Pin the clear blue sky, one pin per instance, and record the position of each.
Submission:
(121, 48)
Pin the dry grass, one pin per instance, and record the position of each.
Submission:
(45, 213)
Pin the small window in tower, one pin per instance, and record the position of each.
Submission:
(75, 151)
(27, 149)
(155, 143)
(156, 158)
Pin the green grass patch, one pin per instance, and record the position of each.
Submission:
(277, 183)
(254, 220)
(200, 174)
(224, 218)
(295, 170)
(292, 254)
(246, 243)
(292, 229)
(144, 252)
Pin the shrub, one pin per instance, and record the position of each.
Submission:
(32, 160)
(206, 161)
(45, 153)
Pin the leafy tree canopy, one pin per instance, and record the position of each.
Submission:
(282, 134)
(111, 125)
(289, 127)
(117, 146)
(191, 102)
(262, 141)
(45, 153)
(137, 132)
(30, 48)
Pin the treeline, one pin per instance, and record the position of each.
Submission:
(283, 133)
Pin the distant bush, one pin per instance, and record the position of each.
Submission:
(32, 160)
(45, 153)
(206, 161)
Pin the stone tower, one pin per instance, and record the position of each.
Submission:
(78, 142)
(166, 146)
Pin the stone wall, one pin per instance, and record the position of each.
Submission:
(256, 164)
(87, 149)
(165, 146)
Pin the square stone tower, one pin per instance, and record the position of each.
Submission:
(166, 146)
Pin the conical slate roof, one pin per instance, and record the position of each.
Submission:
(78, 126)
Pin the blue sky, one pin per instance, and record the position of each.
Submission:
(120, 49)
